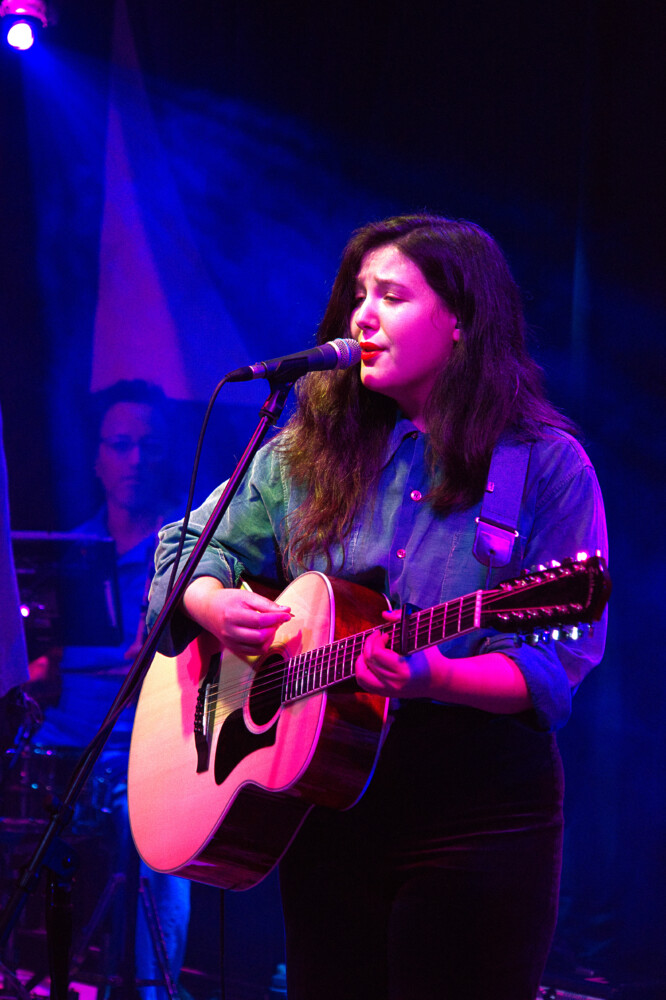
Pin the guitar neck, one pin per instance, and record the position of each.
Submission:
(548, 597)
(318, 669)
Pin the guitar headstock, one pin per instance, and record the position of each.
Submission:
(572, 592)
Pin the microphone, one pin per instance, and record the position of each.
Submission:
(334, 354)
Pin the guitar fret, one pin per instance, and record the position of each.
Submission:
(464, 614)
(451, 618)
(289, 680)
(316, 671)
(424, 626)
(324, 664)
(300, 672)
(340, 660)
(285, 681)
(439, 616)
(338, 666)
(310, 659)
(467, 612)
(295, 676)
(347, 658)
(423, 629)
(289, 683)
(352, 651)
(435, 626)
(303, 673)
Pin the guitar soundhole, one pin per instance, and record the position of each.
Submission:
(265, 698)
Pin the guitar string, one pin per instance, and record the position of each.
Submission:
(435, 616)
(271, 679)
(436, 619)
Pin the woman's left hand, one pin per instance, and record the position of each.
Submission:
(382, 671)
(489, 681)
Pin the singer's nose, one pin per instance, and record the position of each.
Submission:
(364, 317)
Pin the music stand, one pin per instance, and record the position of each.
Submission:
(68, 588)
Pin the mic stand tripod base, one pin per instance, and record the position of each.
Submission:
(12, 985)
(61, 863)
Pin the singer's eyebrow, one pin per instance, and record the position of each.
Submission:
(384, 283)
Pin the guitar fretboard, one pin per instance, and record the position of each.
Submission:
(317, 669)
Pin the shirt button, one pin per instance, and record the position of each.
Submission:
(401, 553)
(415, 495)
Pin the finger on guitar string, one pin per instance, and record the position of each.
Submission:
(378, 666)
(382, 670)
(244, 622)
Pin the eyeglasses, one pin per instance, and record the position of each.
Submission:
(151, 448)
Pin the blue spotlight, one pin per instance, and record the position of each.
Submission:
(22, 20)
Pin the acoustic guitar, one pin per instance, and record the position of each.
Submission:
(228, 756)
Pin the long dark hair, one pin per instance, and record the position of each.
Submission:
(336, 441)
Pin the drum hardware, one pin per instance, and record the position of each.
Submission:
(125, 975)
(135, 893)
(32, 798)
(36, 781)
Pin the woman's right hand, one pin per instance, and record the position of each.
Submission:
(244, 622)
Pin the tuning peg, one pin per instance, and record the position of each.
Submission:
(531, 638)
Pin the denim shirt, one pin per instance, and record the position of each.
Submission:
(399, 546)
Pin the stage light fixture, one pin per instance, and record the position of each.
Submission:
(22, 20)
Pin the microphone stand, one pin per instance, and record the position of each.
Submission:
(52, 853)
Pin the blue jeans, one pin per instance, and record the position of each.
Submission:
(171, 895)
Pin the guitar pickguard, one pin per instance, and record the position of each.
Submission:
(236, 742)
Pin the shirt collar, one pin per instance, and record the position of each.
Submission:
(402, 430)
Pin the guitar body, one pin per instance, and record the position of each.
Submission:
(266, 763)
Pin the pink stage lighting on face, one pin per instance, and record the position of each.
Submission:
(22, 20)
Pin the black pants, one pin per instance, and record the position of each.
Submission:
(442, 882)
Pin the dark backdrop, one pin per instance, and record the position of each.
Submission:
(276, 129)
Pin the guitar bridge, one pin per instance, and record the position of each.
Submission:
(201, 715)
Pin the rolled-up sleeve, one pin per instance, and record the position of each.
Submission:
(246, 543)
(568, 521)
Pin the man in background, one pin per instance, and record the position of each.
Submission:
(133, 472)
